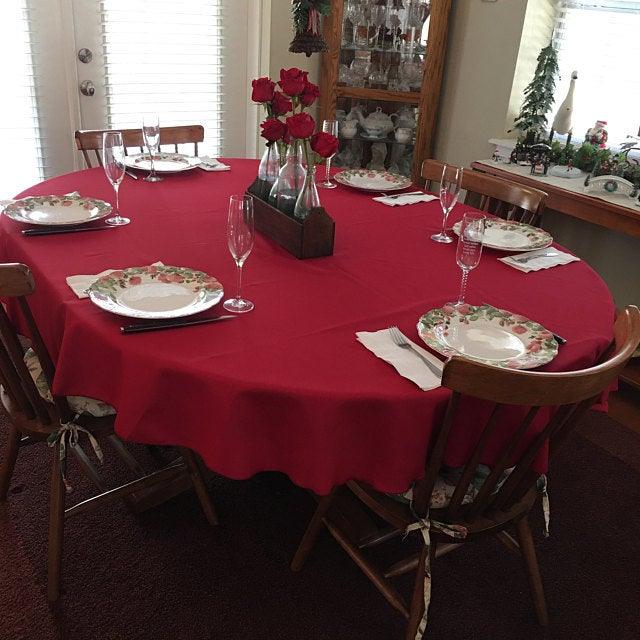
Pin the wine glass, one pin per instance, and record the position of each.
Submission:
(450, 185)
(329, 126)
(151, 136)
(113, 161)
(469, 247)
(351, 12)
(240, 235)
(379, 16)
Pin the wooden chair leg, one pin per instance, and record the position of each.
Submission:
(56, 528)
(199, 485)
(525, 539)
(11, 455)
(311, 534)
(417, 600)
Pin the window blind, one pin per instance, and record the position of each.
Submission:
(21, 163)
(599, 39)
(172, 59)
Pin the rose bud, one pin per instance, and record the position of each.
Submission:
(263, 89)
(309, 94)
(302, 125)
(280, 104)
(293, 81)
(273, 129)
(324, 144)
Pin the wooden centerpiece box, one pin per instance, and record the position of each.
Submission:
(310, 238)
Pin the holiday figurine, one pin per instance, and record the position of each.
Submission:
(562, 122)
(598, 135)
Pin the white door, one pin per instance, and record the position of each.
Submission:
(89, 64)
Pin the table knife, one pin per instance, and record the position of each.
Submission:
(547, 254)
(401, 195)
(50, 232)
(131, 175)
(171, 324)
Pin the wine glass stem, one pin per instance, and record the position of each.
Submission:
(116, 188)
(238, 279)
(153, 168)
(445, 215)
(463, 286)
(327, 171)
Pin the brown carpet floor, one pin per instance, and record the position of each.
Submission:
(166, 575)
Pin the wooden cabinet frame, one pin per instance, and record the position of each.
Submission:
(427, 100)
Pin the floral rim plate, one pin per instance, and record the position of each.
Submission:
(506, 235)
(488, 335)
(162, 162)
(369, 180)
(54, 211)
(156, 292)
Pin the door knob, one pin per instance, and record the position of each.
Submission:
(87, 88)
(85, 55)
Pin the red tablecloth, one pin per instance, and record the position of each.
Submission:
(286, 387)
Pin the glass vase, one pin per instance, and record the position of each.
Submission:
(308, 198)
(291, 178)
(269, 168)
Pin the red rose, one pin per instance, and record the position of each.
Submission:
(293, 81)
(324, 144)
(263, 89)
(135, 280)
(519, 329)
(280, 104)
(309, 94)
(302, 125)
(273, 129)
(463, 309)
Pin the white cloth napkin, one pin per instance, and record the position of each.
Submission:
(405, 198)
(207, 163)
(407, 364)
(540, 259)
(80, 284)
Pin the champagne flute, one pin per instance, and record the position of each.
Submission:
(450, 185)
(240, 235)
(151, 136)
(469, 248)
(329, 126)
(113, 162)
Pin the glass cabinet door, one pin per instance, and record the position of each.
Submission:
(381, 64)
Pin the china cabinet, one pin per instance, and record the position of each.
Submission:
(381, 77)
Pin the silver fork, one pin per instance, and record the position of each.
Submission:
(401, 340)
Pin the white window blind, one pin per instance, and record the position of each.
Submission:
(21, 162)
(171, 58)
(601, 40)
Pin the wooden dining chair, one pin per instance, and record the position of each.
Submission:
(497, 196)
(34, 419)
(91, 140)
(470, 509)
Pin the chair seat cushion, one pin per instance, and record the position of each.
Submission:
(446, 482)
(78, 404)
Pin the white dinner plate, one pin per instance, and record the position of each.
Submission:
(162, 162)
(156, 292)
(54, 211)
(506, 235)
(369, 180)
(488, 335)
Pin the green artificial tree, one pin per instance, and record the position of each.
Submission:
(538, 96)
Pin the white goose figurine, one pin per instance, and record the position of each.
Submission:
(562, 121)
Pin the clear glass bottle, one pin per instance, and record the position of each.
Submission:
(269, 168)
(308, 198)
(291, 178)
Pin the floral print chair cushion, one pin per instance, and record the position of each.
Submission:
(78, 404)
(446, 484)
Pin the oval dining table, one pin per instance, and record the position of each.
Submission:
(286, 387)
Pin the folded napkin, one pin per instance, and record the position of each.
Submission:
(540, 259)
(405, 198)
(80, 284)
(207, 163)
(407, 364)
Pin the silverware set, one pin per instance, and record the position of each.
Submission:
(525, 259)
(403, 342)
(173, 323)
